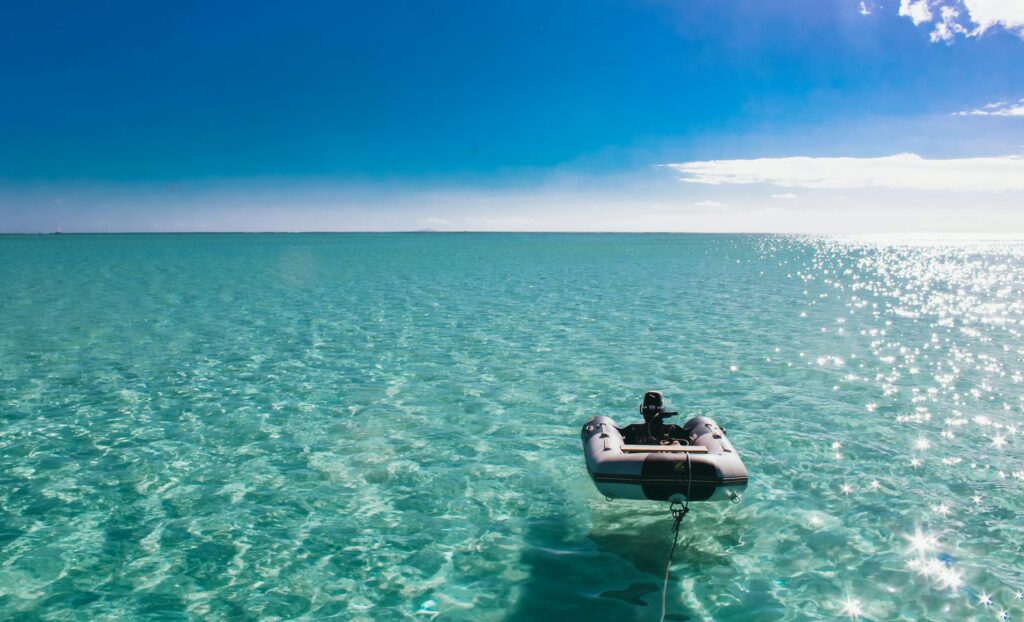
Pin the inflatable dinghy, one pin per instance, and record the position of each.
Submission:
(695, 462)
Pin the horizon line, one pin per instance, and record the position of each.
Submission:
(973, 235)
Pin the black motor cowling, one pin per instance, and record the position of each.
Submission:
(654, 405)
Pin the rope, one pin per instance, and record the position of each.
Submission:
(678, 514)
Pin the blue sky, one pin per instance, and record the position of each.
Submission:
(527, 115)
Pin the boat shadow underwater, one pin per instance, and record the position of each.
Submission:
(615, 570)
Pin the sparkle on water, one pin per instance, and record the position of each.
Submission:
(852, 607)
(385, 427)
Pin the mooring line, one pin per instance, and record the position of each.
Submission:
(678, 514)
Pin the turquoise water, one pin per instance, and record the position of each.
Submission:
(385, 427)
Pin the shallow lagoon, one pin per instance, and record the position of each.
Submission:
(383, 427)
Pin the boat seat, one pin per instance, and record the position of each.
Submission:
(693, 449)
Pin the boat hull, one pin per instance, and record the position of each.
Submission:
(708, 469)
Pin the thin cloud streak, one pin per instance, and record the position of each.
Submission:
(995, 109)
(901, 171)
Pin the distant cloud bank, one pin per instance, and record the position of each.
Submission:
(968, 18)
(901, 171)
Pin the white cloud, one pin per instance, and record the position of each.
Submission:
(983, 15)
(1006, 13)
(784, 195)
(864, 9)
(996, 109)
(901, 171)
(916, 10)
(949, 27)
(708, 203)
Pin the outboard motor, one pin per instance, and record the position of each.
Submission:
(653, 405)
(653, 410)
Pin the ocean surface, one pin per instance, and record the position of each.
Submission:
(386, 427)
